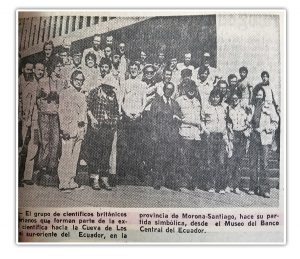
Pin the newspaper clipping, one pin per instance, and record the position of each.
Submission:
(150, 126)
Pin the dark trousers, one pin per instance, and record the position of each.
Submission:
(259, 155)
(217, 176)
(165, 163)
(234, 163)
(50, 141)
(100, 145)
(191, 162)
(131, 147)
(147, 141)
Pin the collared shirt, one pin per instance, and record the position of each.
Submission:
(27, 100)
(216, 119)
(191, 110)
(72, 109)
(104, 108)
(238, 117)
(204, 89)
(134, 96)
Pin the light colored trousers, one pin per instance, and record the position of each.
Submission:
(113, 156)
(67, 166)
(31, 151)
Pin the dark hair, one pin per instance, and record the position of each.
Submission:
(169, 83)
(56, 60)
(230, 77)
(91, 55)
(106, 61)
(255, 92)
(97, 35)
(237, 92)
(264, 73)
(167, 69)
(50, 42)
(214, 93)
(202, 69)
(186, 72)
(221, 82)
(243, 69)
(76, 73)
(39, 62)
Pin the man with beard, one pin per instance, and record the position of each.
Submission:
(28, 119)
(186, 63)
(224, 92)
(95, 49)
(103, 112)
(264, 123)
(124, 61)
(47, 102)
(190, 130)
(73, 119)
(232, 83)
(133, 104)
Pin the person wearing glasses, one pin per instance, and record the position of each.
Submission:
(73, 121)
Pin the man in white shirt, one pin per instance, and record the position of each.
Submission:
(95, 49)
(186, 63)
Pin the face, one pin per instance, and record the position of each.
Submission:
(116, 59)
(48, 50)
(203, 76)
(206, 61)
(77, 82)
(233, 81)
(259, 95)
(64, 57)
(190, 93)
(143, 56)
(104, 69)
(169, 90)
(187, 58)
(107, 52)
(39, 70)
(167, 76)
(243, 74)
(90, 62)
(149, 73)
(109, 40)
(215, 100)
(173, 63)
(77, 59)
(235, 100)
(133, 71)
(97, 42)
(57, 69)
(122, 48)
(223, 88)
(265, 78)
(161, 57)
(28, 72)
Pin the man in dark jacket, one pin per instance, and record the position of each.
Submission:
(165, 120)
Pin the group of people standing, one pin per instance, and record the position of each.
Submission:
(157, 122)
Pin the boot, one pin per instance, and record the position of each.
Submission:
(105, 183)
(95, 183)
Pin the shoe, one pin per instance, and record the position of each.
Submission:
(251, 192)
(65, 190)
(21, 184)
(267, 195)
(105, 183)
(28, 182)
(221, 192)
(82, 162)
(73, 185)
(211, 190)
(95, 184)
(237, 191)
(228, 189)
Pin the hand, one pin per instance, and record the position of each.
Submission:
(94, 123)
(175, 117)
(65, 136)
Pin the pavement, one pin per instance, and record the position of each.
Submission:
(139, 196)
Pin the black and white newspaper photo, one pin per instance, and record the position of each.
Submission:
(151, 127)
